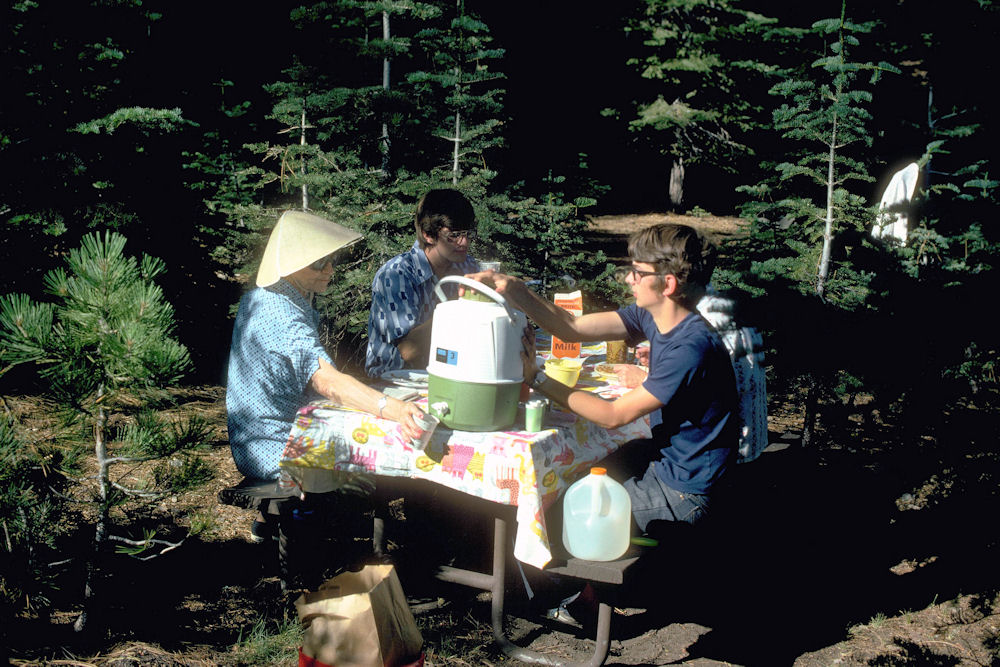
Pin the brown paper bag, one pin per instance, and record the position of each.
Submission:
(359, 619)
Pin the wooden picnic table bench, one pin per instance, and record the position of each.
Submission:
(297, 540)
(255, 494)
(602, 574)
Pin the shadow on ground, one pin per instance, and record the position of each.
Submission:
(807, 553)
(205, 593)
(811, 547)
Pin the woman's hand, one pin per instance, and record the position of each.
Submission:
(348, 391)
(405, 414)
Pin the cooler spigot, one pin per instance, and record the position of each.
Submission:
(440, 409)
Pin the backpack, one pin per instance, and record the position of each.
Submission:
(746, 352)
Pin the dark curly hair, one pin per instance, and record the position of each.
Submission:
(443, 208)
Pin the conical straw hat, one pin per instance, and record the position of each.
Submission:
(299, 239)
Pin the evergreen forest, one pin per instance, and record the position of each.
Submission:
(145, 139)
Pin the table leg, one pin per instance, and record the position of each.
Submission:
(495, 584)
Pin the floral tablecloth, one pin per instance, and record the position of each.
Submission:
(528, 470)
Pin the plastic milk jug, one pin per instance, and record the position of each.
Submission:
(597, 516)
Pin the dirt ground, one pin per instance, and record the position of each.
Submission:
(621, 225)
(863, 550)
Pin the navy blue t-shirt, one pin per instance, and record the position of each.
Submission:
(691, 374)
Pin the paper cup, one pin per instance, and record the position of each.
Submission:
(617, 352)
(428, 423)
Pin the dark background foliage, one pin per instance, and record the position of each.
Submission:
(178, 124)
(563, 64)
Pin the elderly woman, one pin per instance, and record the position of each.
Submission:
(277, 363)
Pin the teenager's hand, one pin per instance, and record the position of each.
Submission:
(630, 375)
(507, 286)
(642, 355)
(528, 354)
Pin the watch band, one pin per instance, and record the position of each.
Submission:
(380, 406)
(539, 379)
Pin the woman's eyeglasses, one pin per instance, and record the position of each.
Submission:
(321, 263)
(456, 236)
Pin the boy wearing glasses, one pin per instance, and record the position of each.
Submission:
(403, 299)
(690, 391)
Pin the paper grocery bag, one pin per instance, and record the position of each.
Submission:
(359, 619)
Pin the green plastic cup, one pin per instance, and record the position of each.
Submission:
(533, 413)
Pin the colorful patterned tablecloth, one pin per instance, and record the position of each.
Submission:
(528, 470)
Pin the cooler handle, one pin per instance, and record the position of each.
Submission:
(476, 285)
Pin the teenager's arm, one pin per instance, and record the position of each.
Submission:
(604, 413)
(550, 317)
(415, 346)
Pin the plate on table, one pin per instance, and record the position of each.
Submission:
(606, 371)
(402, 393)
(407, 377)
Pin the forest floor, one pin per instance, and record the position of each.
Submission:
(875, 546)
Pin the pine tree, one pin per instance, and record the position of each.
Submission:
(948, 262)
(107, 331)
(332, 113)
(29, 525)
(352, 145)
(459, 94)
(796, 215)
(545, 241)
(72, 138)
(825, 121)
(694, 52)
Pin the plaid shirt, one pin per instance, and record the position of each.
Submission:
(274, 353)
(402, 298)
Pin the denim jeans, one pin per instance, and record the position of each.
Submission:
(652, 500)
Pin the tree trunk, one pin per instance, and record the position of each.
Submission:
(302, 142)
(386, 34)
(824, 263)
(676, 188)
(809, 419)
(931, 123)
(458, 142)
(91, 594)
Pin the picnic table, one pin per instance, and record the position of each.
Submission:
(512, 467)
(527, 470)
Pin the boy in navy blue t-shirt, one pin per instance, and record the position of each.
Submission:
(690, 389)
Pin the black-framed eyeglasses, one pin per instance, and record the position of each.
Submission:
(632, 271)
(321, 263)
(456, 236)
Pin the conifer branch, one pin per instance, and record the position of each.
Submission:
(144, 544)
(138, 492)
(62, 495)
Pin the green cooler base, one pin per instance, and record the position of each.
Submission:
(473, 406)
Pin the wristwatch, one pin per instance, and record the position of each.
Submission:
(540, 377)
(380, 406)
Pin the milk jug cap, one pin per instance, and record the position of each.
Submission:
(598, 471)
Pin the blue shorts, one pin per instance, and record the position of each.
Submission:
(652, 500)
